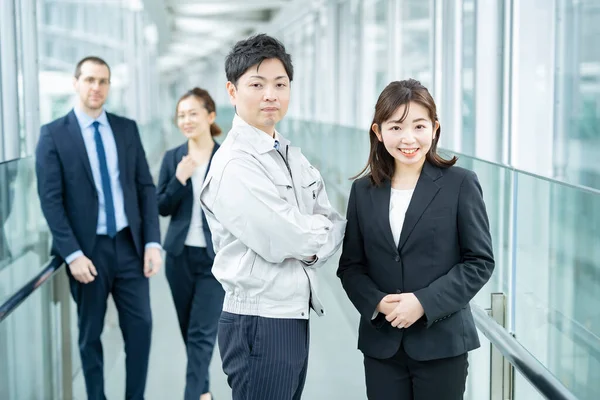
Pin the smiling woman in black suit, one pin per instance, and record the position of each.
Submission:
(417, 249)
(197, 295)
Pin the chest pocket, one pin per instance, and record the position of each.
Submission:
(310, 185)
(284, 187)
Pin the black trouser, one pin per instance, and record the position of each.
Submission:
(198, 299)
(264, 358)
(121, 273)
(402, 378)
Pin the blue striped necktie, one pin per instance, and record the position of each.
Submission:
(109, 205)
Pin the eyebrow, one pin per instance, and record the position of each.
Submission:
(264, 79)
(414, 120)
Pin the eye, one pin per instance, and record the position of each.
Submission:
(420, 126)
(281, 85)
(256, 85)
(395, 128)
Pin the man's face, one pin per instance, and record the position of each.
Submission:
(92, 85)
(262, 94)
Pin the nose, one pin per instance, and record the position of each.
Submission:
(407, 137)
(269, 94)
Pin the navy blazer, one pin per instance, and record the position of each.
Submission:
(177, 200)
(444, 256)
(68, 194)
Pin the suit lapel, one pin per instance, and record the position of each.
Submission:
(181, 152)
(77, 139)
(380, 196)
(424, 193)
(118, 133)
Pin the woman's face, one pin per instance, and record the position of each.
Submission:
(408, 141)
(193, 119)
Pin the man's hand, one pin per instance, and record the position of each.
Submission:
(83, 270)
(152, 261)
(407, 311)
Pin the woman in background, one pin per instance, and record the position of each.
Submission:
(197, 295)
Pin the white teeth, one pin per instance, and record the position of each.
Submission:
(408, 151)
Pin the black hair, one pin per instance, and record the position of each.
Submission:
(381, 164)
(253, 51)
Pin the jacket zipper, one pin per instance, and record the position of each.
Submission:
(285, 161)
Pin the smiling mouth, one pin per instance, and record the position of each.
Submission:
(408, 151)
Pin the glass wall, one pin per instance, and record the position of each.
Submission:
(117, 32)
(577, 80)
(496, 78)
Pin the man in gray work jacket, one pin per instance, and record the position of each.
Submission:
(272, 227)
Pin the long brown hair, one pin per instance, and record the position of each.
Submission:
(209, 104)
(381, 164)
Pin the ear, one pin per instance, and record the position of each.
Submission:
(211, 117)
(375, 129)
(436, 129)
(74, 83)
(232, 91)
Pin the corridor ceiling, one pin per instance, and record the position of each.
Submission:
(198, 29)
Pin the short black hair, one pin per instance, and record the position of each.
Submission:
(252, 51)
(93, 59)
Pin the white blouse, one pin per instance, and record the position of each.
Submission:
(399, 201)
(195, 236)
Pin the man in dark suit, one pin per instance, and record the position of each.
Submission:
(99, 200)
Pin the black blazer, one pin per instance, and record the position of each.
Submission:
(68, 194)
(444, 256)
(176, 200)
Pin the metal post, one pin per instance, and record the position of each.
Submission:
(501, 371)
(62, 296)
(31, 69)
(10, 146)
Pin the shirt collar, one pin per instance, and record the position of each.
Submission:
(264, 142)
(85, 121)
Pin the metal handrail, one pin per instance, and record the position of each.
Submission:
(26, 290)
(529, 366)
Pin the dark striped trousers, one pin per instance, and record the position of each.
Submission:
(264, 358)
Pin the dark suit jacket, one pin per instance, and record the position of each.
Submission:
(444, 256)
(176, 200)
(68, 194)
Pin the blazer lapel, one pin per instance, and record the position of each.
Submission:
(424, 193)
(380, 195)
(77, 139)
(120, 142)
(181, 152)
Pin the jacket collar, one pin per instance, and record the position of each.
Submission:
(260, 140)
(425, 191)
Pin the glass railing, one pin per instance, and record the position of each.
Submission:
(24, 236)
(545, 235)
(30, 336)
(38, 338)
